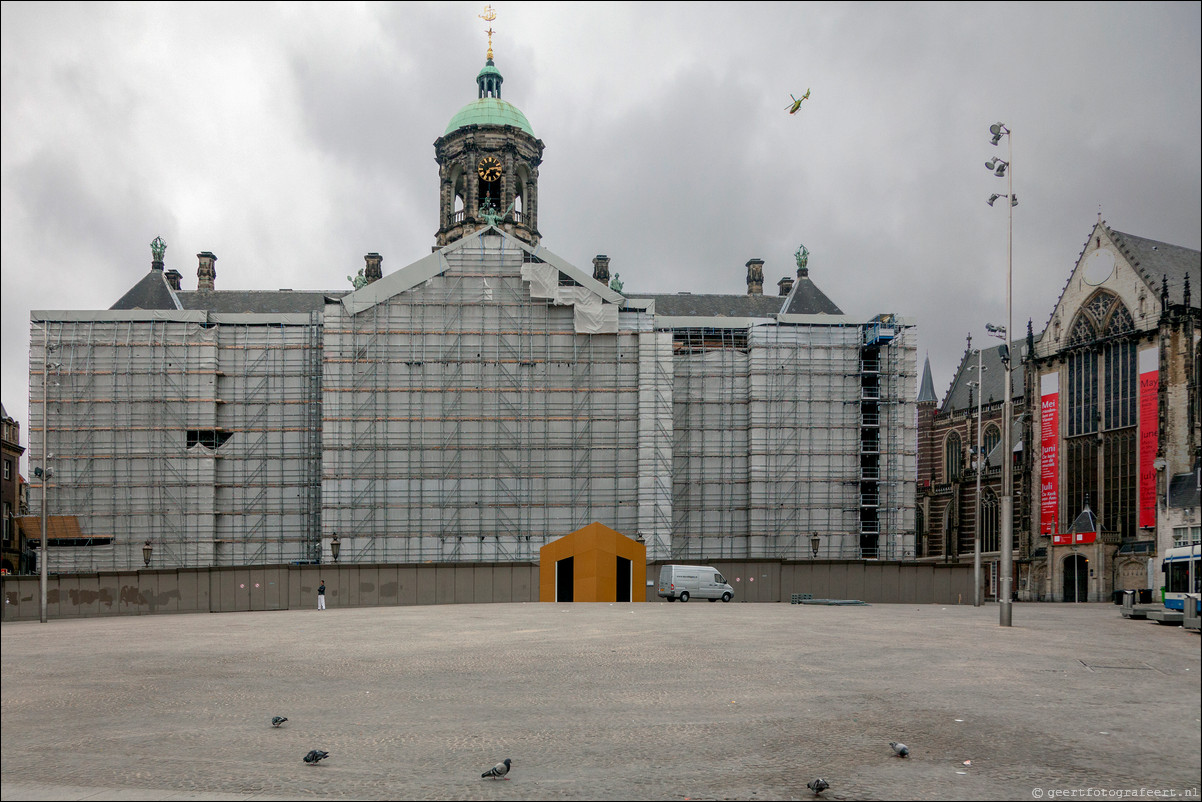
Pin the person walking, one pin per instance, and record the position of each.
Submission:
(321, 595)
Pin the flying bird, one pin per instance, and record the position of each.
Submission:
(498, 771)
(278, 720)
(900, 749)
(796, 104)
(315, 756)
(818, 785)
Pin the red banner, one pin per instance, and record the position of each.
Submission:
(1073, 538)
(1049, 452)
(1149, 383)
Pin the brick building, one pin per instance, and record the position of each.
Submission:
(1106, 417)
(1116, 377)
(960, 441)
(11, 492)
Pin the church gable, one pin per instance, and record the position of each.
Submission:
(1106, 293)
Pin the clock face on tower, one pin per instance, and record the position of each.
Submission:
(489, 168)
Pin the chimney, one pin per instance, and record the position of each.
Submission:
(786, 285)
(755, 276)
(373, 272)
(206, 274)
(173, 277)
(601, 268)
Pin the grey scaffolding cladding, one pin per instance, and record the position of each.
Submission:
(473, 406)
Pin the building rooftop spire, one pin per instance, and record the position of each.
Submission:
(488, 16)
(926, 392)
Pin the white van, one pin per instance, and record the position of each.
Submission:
(686, 582)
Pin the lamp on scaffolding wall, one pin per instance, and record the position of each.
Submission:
(335, 546)
(815, 544)
(45, 472)
(147, 550)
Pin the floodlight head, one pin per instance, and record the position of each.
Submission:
(992, 198)
(1004, 353)
(1001, 169)
(996, 138)
(995, 330)
(996, 130)
(1014, 200)
(991, 164)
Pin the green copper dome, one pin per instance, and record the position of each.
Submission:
(489, 111)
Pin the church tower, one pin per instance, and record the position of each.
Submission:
(488, 162)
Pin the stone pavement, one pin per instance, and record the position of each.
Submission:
(599, 701)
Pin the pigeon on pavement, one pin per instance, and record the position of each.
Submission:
(278, 720)
(498, 771)
(316, 755)
(818, 785)
(900, 749)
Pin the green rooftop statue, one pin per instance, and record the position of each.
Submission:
(615, 283)
(359, 280)
(489, 213)
(802, 256)
(158, 248)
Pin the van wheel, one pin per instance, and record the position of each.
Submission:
(684, 596)
(726, 597)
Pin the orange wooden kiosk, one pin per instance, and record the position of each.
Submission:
(593, 564)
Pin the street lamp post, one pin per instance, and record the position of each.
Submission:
(1006, 546)
(44, 472)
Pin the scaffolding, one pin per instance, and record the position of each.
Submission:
(191, 430)
(473, 407)
(773, 442)
(465, 420)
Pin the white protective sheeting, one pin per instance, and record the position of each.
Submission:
(592, 314)
(543, 279)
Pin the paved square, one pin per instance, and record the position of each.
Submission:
(600, 701)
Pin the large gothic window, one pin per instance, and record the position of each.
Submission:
(1118, 482)
(990, 439)
(1082, 409)
(1101, 414)
(1121, 383)
(1081, 475)
(952, 457)
(990, 514)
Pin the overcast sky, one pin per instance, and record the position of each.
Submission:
(292, 139)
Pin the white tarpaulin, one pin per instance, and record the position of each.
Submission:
(543, 278)
(592, 315)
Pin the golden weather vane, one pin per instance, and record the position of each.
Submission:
(488, 16)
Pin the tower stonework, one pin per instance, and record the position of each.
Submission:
(488, 162)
